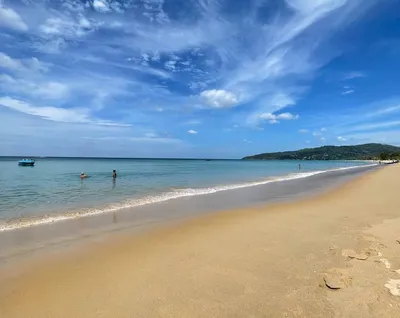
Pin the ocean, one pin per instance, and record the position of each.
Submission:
(52, 190)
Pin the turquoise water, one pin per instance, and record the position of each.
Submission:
(53, 186)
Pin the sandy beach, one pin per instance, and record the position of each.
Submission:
(333, 255)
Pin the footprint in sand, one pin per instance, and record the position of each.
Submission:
(352, 254)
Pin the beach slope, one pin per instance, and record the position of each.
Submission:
(335, 255)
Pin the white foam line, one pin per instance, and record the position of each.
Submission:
(161, 198)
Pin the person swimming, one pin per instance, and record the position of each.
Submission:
(114, 173)
(83, 175)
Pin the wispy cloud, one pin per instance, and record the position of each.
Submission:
(193, 122)
(11, 19)
(385, 110)
(192, 132)
(77, 115)
(303, 131)
(354, 74)
(347, 92)
(22, 65)
(386, 137)
(375, 126)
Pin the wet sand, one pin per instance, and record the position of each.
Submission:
(330, 256)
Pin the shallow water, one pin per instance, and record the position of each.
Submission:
(53, 186)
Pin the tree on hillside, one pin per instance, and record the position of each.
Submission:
(384, 156)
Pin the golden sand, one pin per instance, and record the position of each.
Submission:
(330, 256)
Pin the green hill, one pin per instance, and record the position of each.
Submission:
(358, 152)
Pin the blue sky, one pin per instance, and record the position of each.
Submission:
(196, 78)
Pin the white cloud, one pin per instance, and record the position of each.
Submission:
(52, 90)
(170, 65)
(280, 100)
(32, 87)
(85, 23)
(323, 129)
(303, 131)
(350, 91)
(142, 68)
(71, 115)
(53, 26)
(11, 19)
(287, 116)
(340, 138)
(247, 141)
(322, 139)
(9, 63)
(101, 6)
(65, 27)
(192, 132)
(7, 80)
(21, 65)
(272, 104)
(219, 98)
(317, 134)
(274, 119)
(42, 137)
(46, 112)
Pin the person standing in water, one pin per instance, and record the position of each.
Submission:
(299, 167)
(114, 174)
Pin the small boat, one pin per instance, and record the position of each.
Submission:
(26, 162)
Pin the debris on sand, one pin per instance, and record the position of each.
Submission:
(336, 278)
(394, 286)
(385, 262)
(352, 254)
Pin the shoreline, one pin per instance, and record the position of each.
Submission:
(18, 244)
(26, 222)
(277, 260)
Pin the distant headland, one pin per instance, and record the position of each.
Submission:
(372, 151)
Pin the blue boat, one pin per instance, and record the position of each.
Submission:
(26, 162)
